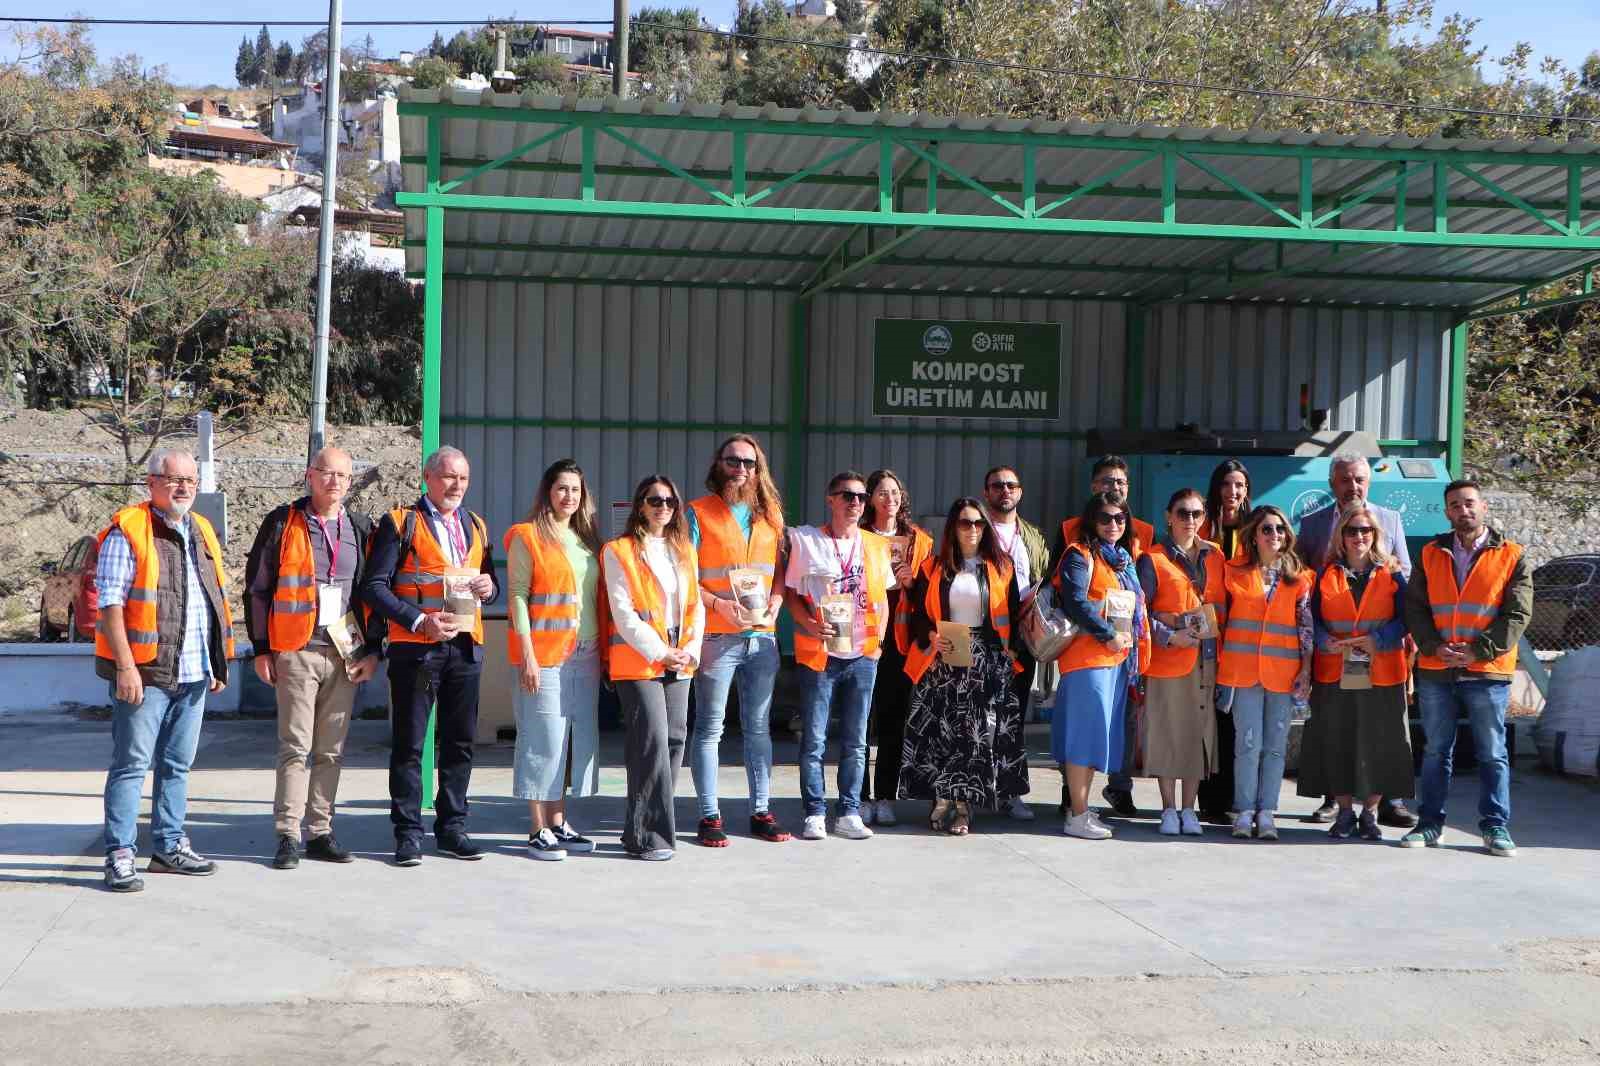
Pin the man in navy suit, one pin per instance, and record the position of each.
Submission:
(1349, 479)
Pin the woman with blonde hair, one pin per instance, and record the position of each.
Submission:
(658, 619)
(1357, 742)
(553, 636)
(1264, 667)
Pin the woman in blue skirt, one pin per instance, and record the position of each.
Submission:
(1102, 662)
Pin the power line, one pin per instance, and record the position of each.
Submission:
(887, 53)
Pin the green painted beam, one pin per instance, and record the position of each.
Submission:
(1456, 433)
(1536, 305)
(686, 254)
(432, 360)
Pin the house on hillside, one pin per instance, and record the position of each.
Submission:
(578, 48)
(371, 233)
(224, 140)
(368, 128)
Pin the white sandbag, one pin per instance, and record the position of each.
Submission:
(1568, 731)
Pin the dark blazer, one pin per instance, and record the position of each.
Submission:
(264, 552)
(921, 627)
(377, 591)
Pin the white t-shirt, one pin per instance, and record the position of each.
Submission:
(820, 565)
(1011, 542)
(966, 595)
(639, 634)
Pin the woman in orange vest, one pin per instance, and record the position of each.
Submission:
(657, 622)
(553, 639)
(888, 514)
(1181, 576)
(1264, 669)
(1102, 662)
(1227, 504)
(963, 733)
(1357, 742)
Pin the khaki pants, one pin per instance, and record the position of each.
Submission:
(315, 697)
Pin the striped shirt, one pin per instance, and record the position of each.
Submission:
(113, 578)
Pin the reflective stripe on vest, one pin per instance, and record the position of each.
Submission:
(724, 548)
(649, 604)
(553, 606)
(1175, 594)
(1343, 618)
(921, 550)
(809, 650)
(998, 580)
(1086, 652)
(420, 582)
(1462, 614)
(293, 615)
(139, 611)
(1261, 642)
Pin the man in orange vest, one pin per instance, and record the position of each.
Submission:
(837, 586)
(163, 640)
(738, 525)
(1469, 601)
(421, 559)
(302, 577)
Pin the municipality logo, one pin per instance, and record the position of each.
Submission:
(1308, 501)
(936, 340)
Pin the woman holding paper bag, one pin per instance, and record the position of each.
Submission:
(1098, 589)
(1357, 743)
(1182, 579)
(963, 744)
(888, 514)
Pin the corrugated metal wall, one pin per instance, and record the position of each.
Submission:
(585, 355)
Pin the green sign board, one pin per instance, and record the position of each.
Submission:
(942, 369)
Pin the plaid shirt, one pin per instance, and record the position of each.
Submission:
(114, 577)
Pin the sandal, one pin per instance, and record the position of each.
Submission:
(938, 814)
(962, 822)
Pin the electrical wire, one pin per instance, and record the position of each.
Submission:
(887, 53)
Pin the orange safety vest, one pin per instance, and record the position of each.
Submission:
(1086, 652)
(724, 548)
(139, 612)
(1144, 534)
(420, 581)
(1207, 531)
(999, 579)
(921, 550)
(1175, 594)
(1462, 614)
(649, 603)
(554, 607)
(293, 617)
(1342, 617)
(1261, 643)
(809, 651)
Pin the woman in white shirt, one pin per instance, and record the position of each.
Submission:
(657, 621)
(963, 744)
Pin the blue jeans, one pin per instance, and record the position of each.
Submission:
(1260, 738)
(566, 705)
(851, 681)
(728, 659)
(1485, 705)
(162, 731)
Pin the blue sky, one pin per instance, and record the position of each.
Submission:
(1567, 29)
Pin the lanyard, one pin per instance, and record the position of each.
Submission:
(1006, 546)
(452, 524)
(332, 543)
(845, 561)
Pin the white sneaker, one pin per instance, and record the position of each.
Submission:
(1169, 822)
(815, 827)
(851, 827)
(884, 815)
(1265, 828)
(868, 811)
(1189, 823)
(1019, 809)
(1243, 823)
(1085, 827)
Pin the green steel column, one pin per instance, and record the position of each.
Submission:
(1133, 359)
(432, 345)
(1455, 435)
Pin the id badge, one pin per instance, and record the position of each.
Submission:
(330, 605)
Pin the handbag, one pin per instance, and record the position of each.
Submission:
(1045, 627)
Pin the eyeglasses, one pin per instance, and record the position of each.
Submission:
(1106, 518)
(176, 482)
(1122, 481)
(970, 524)
(1359, 531)
(736, 461)
(1193, 516)
(332, 475)
(852, 497)
(1004, 486)
(661, 501)
(1274, 530)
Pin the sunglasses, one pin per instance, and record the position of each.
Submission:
(1106, 518)
(852, 497)
(971, 523)
(736, 461)
(1274, 530)
(1359, 531)
(1004, 486)
(1193, 516)
(661, 501)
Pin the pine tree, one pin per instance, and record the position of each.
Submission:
(263, 56)
(283, 61)
(244, 65)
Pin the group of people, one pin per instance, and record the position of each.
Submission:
(1191, 650)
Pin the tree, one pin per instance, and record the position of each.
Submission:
(852, 14)
(432, 72)
(660, 36)
(262, 60)
(244, 64)
(315, 51)
(793, 76)
(283, 61)
(436, 48)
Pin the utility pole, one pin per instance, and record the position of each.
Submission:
(325, 232)
(619, 50)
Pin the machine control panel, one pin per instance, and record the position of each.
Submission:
(1416, 468)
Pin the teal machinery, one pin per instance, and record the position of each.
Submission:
(1287, 469)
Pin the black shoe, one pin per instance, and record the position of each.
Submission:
(1395, 813)
(458, 847)
(1325, 813)
(288, 856)
(408, 853)
(1216, 817)
(1121, 803)
(574, 841)
(326, 849)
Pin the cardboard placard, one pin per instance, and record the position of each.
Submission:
(899, 552)
(1356, 672)
(751, 590)
(839, 611)
(961, 636)
(345, 636)
(459, 600)
(1200, 623)
(1120, 605)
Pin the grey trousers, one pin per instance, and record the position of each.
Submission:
(656, 713)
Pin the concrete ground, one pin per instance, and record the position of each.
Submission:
(1012, 945)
